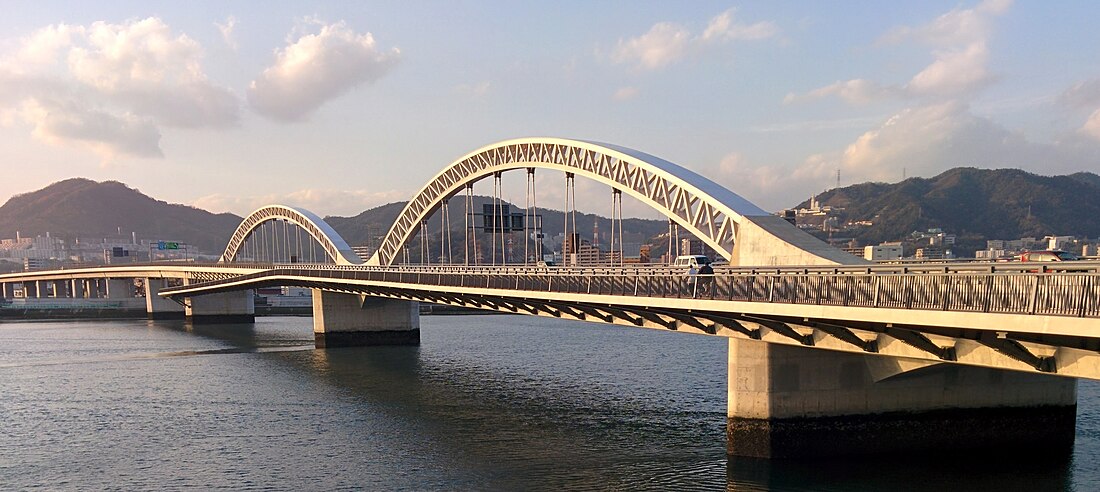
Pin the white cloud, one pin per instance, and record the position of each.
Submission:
(110, 86)
(1084, 93)
(316, 68)
(69, 122)
(953, 72)
(959, 66)
(142, 66)
(477, 90)
(957, 27)
(924, 140)
(1092, 125)
(722, 27)
(663, 44)
(226, 30)
(855, 91)
(666, 42)
(931, 139)
(626, 93)
(322, 202)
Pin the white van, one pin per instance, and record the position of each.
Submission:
(691, 260)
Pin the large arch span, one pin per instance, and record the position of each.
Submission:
(334, 246)
(734, 227)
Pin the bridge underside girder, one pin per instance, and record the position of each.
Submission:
(1005, 351)
(1062, 355)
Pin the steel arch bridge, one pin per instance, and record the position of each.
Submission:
(333, 245)
(714, 214)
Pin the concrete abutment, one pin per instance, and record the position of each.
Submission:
(157, 307)
(351, 320)
(223, 307)
(788, 401)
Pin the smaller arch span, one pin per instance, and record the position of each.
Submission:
(331, 242)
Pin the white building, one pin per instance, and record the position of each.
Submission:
(883, 252)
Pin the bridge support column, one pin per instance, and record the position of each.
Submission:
(223, 307)
(788, 401)
(351, 320)
(93, 288)
(157, 307)
(8, 290)
(77, 288)
(120, 288)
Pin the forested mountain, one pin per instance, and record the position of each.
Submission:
(974, 204)
(82, 208)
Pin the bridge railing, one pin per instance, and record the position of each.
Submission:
(1015, 290)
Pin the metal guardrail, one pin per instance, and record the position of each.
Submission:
(1023, 288)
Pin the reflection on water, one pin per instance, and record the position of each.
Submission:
(485, 403)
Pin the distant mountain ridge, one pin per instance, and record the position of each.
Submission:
(82, 208)
(975, 204)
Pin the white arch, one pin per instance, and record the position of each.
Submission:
(334, 245)
(711, 212)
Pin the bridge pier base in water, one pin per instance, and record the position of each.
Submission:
(224, 307)
(352, 320)
(157, 307)
(788, 401)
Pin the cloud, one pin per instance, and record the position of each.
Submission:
(227, 31)
(953, 72)
(928, 140)
(957, 27)
(478, 90)
(626, 93)
(1084, 93)
(855, 91)
(960, 59)
(69, 122)
(722, 27)
(663, 44)
(316, 68)
(1092, 125)
(666, 42)
(112, 86)
(924, 140)
(142, 66)
(321, 201)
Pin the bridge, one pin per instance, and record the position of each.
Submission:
(827, 353)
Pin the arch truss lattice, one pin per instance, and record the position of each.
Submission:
(709, 211)
(330, 241)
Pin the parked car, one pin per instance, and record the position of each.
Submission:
(1048, 255)
(691, 260)
(1055, 258)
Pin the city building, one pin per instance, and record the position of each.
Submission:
(883, 252)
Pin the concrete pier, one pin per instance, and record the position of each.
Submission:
(350, 320)
(789, 401)
(158, 307)
(225, 307)
(120, 288)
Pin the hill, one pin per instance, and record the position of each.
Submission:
(80, 207)
(974, 204)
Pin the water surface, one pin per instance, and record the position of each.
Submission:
(485, 403)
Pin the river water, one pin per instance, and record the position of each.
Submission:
(485, 403)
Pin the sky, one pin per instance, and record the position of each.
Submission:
(341, 106)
